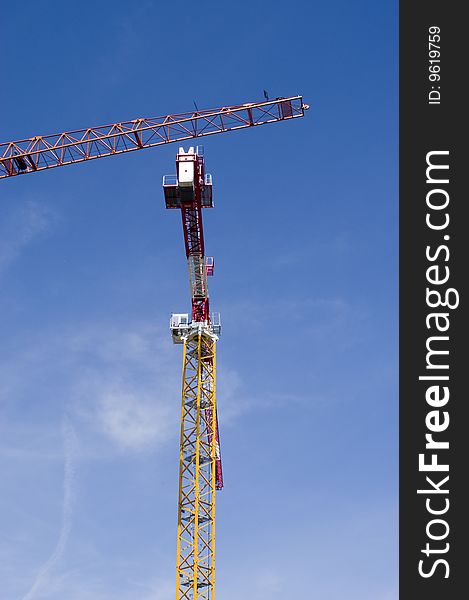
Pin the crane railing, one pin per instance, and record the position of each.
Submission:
(45, 152)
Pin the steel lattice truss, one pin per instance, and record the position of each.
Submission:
(195, 563)
(45, 152)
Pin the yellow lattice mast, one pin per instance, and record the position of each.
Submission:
(195, 563)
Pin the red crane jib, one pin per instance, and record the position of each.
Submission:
(42, 152)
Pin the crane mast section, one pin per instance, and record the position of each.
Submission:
(46, 152)
(195, 561)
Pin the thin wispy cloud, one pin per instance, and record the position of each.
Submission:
(126, 386)
(133, 419)
(122, 384)
(70, 450)
(29, 222)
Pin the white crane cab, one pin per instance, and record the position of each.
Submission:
(180, 189)
(179, 325)
(186, 162)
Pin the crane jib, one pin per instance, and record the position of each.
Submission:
(39, 153)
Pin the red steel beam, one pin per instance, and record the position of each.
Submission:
(46, 152)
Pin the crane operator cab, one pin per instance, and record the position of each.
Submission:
(182, 188)
(179, 325)
(187, 169)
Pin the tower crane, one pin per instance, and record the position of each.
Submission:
(190, 191)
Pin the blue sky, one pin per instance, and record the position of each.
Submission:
(304, 235)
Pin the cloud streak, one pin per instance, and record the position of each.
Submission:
(21, 228)
(122, 383)
(70, 448)
(128, 386)
(130, 419)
